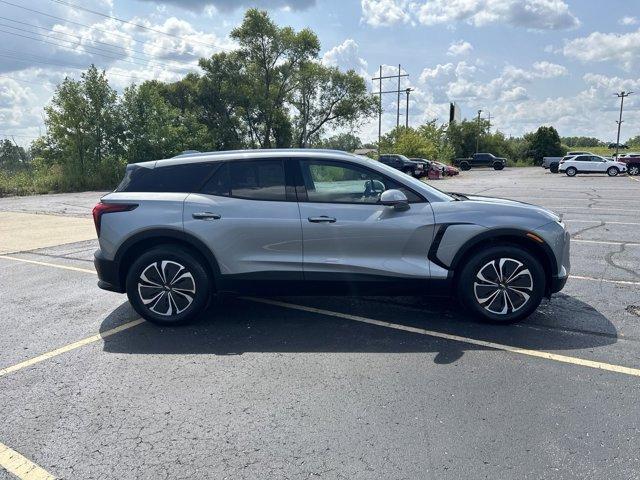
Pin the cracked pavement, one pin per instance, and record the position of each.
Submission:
(256, 391)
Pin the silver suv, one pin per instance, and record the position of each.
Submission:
(282, 222)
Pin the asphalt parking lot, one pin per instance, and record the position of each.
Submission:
(327, 387)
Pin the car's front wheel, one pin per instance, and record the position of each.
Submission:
(503, 284)
(168, 285)
(498, 166)
(634, 169)
(613, 171)
(571, 171)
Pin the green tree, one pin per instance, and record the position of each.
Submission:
(269, 59)
(545, 142)
(346, 142)
(12, 156)
(634, 141)
(149, 129)
(326, 97)
(84, 130)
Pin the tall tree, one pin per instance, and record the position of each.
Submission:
(269, 58)
(325, 97)
(545, 142)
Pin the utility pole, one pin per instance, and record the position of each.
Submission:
(621, 96)
(406, 116)
(380, 92)
(489, 119)
(478, 133)
(398, 111)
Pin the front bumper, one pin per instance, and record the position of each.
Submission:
(108, 275)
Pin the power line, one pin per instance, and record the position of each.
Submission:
(108, 32)
(27, 81)
(86, 47)
(71, 35)
(73, 5)
(37, 59)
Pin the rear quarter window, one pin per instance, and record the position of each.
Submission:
(187, 178)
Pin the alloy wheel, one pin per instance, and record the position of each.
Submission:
(166, 288)
(503, 286)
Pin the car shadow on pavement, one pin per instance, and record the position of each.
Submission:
(233, 326)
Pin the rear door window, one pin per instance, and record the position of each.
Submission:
(253, 180)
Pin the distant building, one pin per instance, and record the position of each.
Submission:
(364, 151)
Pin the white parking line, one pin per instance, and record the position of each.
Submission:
(606, 242)
(457, 338)
(598, 221)
(594, 279)
(20, 466)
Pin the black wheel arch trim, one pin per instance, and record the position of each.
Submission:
(481, 237)
(172, 234)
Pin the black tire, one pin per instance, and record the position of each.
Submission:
(633, 169)
(168, 303)
(553, 168)
(613, 171)
(571, 171)
(475, 294)
(464, 166)
(498, 166)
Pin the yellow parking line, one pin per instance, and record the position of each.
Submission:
(71, 346)
(457, 338)
(45, 264)
(21, 467)
(634, 179)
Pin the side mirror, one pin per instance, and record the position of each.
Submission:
(396, 199)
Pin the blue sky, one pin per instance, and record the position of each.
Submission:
(528, 62)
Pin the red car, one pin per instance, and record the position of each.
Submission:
(633, 162)
(449, 171)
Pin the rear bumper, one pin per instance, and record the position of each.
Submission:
(108, 277)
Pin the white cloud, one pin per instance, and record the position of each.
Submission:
(628, 20)
(379, 13)
(459, 48)
(534, 14)
(546, 69)
(623, 49)
(516, 94)
(230, 5)
(346, 57)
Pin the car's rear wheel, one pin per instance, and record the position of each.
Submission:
(634, 170)
(553, 168)
(571, 171)
(613, 171)
(503, 284)
(167, 285)
(464, 166)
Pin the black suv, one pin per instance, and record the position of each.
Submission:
(402, 163)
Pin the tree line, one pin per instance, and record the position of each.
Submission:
(272, 91)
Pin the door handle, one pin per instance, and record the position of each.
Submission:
(322, 219)
(206, 216)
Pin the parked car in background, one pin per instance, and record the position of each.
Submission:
(632, 161)
(481, 160)
(614, 145)
(591, 164)
(448, 170)
(426, 165)
(402, 163)
(175, 232)
(548, 161)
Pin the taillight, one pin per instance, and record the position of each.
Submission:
(102, 208)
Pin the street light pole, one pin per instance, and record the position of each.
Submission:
(478, 133)
(621, 96)
(406, 116)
